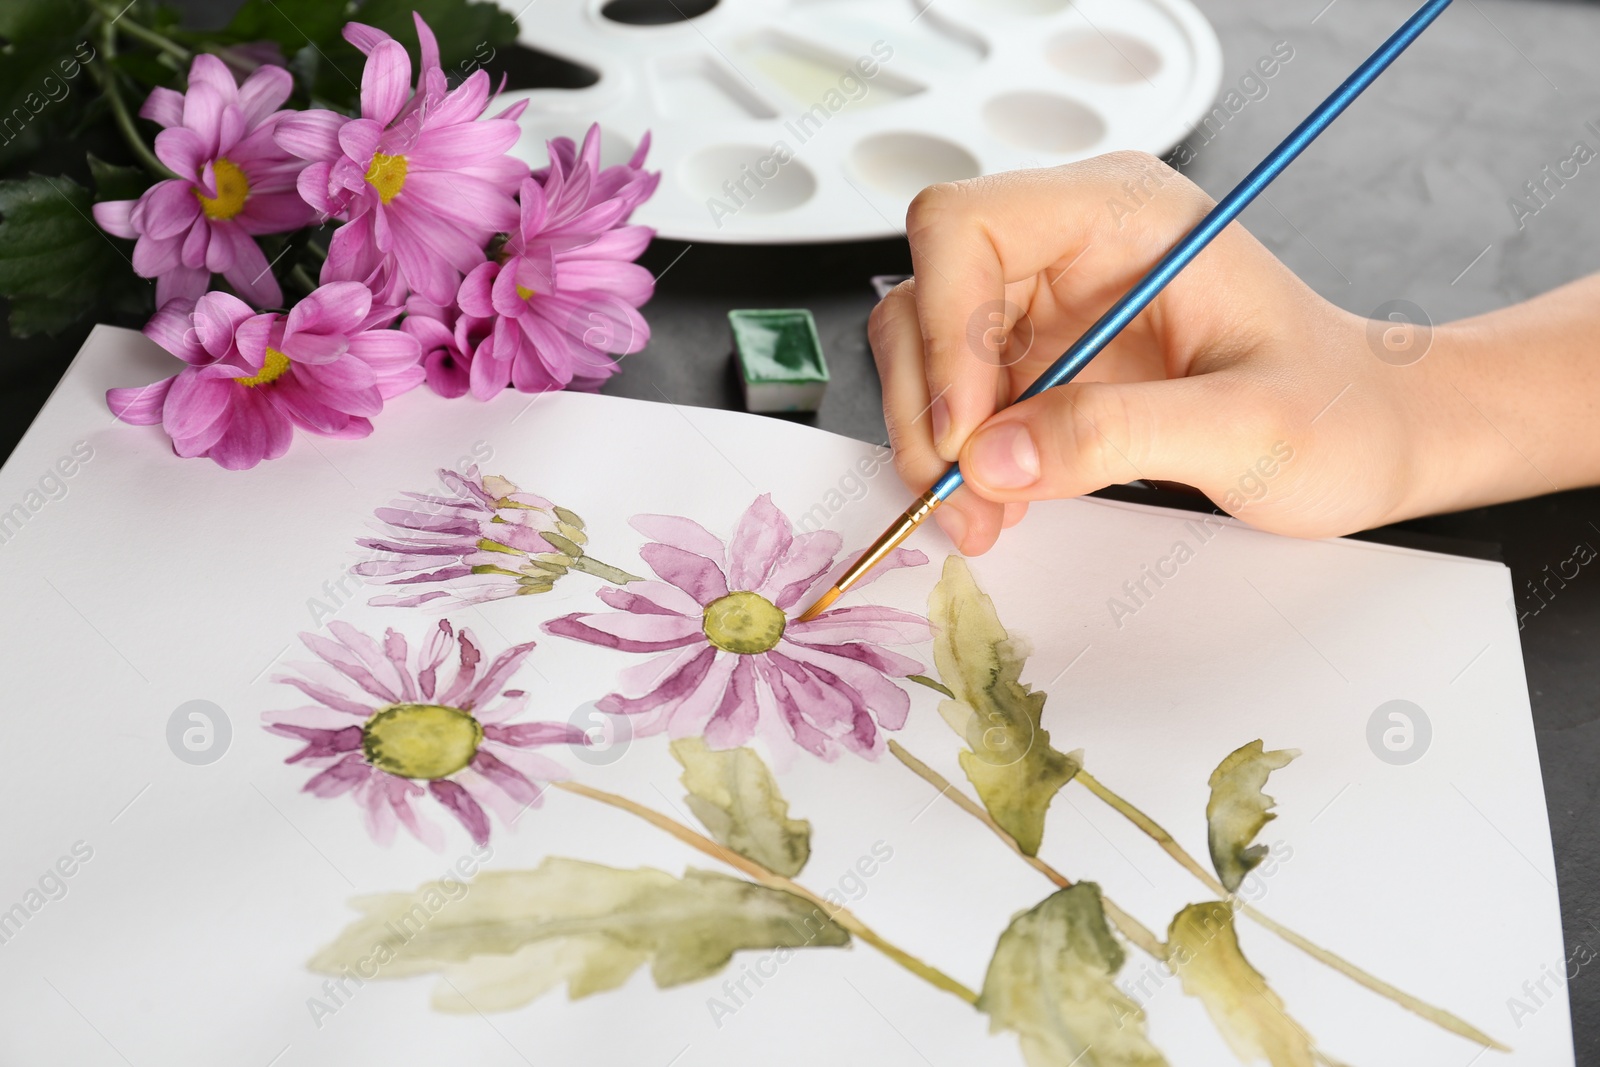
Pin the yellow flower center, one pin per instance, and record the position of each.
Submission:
(271, 370)
(387, 175)
(420, 740)
(526, 294)
(745, 623)
(232, 189)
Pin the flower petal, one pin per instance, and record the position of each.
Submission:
(385, 82)
(694, 574)
(139, 405)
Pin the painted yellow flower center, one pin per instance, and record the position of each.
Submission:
(271, 370)
(421, 740)
(232, 188)
(387, 175)
(526, 294)
(744, 622)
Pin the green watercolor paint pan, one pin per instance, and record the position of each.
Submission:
(780, 359)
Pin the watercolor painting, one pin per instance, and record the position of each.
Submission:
(424, 720)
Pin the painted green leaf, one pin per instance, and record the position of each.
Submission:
(1238, 809)
(1009, 759)
(507, 937)
(1204, 950)
(1051, 982)
(735, 796)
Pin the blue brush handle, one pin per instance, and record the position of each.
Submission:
(1183, 253)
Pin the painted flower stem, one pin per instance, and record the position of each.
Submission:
(604, 571)
(1130, 928)
(759, 874)
(1152, 829)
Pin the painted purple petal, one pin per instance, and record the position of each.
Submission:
(650, 598)
(694, 574)
(862, 622)
(528, 734)
(340, 778)
(734, 721)
(627, 632)
(454, 798)
(673, 687)
(809, 556)
(760, 540)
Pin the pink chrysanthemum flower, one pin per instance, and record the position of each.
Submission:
(488, 541)
(449, 337)
(422, 183)
(326, 367)
(565, 289)
(389, 726)
(733, 662)
(233, 181)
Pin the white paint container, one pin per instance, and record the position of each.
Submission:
(779, 121)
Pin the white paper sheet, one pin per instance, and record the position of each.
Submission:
(198, 893)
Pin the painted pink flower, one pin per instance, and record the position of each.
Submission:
(325, 367)
(565, 288)
(390, 724)
(732, 663)
(487, 541)
(449, 337)
(422, 183)
(233, 181)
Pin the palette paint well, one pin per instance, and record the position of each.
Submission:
(791, 121)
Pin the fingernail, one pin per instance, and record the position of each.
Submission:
(1005, 457)
(953, 523)
(939, 412)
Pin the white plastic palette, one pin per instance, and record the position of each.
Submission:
(959, 88)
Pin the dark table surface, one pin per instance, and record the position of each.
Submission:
(1405, 198)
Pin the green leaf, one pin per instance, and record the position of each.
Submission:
(56, 265)
(291, 23)
(44, 43)
(1204, 950)
(1051, 981)
(508, 937)
(735, 796)
(1009, 759)
(113, 182)
(1238, 810)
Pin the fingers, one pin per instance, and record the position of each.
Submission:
(971, 522)
(971, 240)
(1084, 436)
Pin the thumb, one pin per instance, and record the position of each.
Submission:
(1084, 436)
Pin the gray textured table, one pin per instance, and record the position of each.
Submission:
(1405, 198)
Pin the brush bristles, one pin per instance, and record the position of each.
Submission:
(822, 604)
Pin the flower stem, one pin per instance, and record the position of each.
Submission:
(759, 874)
(1437, 1016)
(1131, 928)
(604, 571)
(154, 39)
(106, 75)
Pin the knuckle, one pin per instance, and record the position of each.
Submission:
(933, 205)
(1098, 446)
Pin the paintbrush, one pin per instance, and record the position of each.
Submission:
(1139, 297)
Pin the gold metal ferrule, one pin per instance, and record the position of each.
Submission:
(892, 538)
